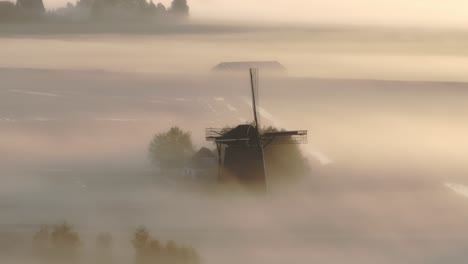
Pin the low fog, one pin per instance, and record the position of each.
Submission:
(320, 52)
(74, 147)
(385, 110)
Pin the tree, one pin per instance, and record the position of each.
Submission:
(171, 149)
(8, 11)
(31, 6)
(97, 9)
(180, 8)
(58, 244)
(285, 162)
(149, 250)
(84, 3)
(161, 7)
(65, 242)
(143, 6)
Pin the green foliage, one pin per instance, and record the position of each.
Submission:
(149, 250)
(171, 149)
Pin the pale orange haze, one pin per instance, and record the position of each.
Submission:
(379, 12)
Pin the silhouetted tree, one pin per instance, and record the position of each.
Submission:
(171, 149)
(285, 162)
(65, 243)
(97, 9)
(150, 251)
(31, 6)
(161, 7)
(8, 11)
(143, 6)
(180, 8)
(151, 8)
(85, 3)
(58, 244)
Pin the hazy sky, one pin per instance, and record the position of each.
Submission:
(427, 12)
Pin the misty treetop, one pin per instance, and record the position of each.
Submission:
(125, 9)
(171, 149)
(285, 162)
(22, 10)
(61, 244)
(149, 250)
(57, 244)
(7, 10)
(180, 7)
(83, 10)
(133, 8)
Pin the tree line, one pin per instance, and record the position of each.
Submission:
(115, 10)
(101, 9)
(62, 244)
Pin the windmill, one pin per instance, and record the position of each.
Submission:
(240, 149)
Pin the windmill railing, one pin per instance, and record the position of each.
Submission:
(285, 137)
(212, 134)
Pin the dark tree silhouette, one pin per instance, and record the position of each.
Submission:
(34, 6)
(8, 11)
(150, 251)
(285, 162)
(97, 9)
(161, 7)
(180, 8)
(84, 3)
(58, 244)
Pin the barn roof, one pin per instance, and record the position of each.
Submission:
(203, 153)
(246, 65)
(203, 159)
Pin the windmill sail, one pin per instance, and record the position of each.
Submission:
(255, 97)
